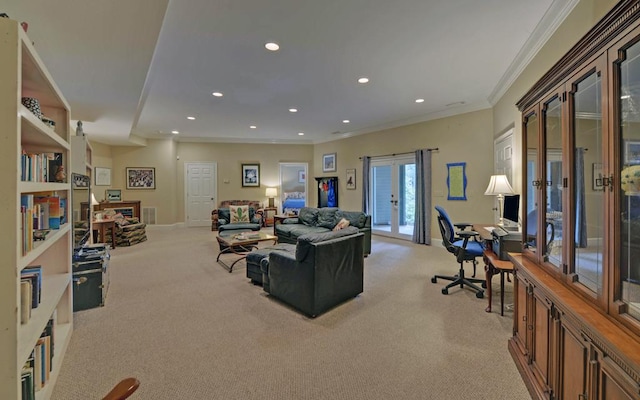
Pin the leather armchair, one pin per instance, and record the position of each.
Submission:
(326, 270)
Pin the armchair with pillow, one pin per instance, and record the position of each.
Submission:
(252, 214)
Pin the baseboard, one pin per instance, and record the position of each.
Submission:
(165, 227)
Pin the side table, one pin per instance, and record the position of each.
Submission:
(101, 227)
(269, 212)
(493, 265)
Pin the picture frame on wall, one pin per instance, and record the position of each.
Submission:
(632, 152)
(329, 162)
(102, 176)
(141, 178)
(351, 179)
(250, 175)
(302, 178)
(113, 195)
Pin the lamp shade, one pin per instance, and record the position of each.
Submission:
(94, 202)
(499, 184)
(271, 192)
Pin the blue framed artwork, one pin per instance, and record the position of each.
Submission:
(456, 181)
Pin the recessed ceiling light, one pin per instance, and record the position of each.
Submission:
(191, 118)
(272, 46)
(345, 121)
(626, 96)
(300, 133)
(252, 126)
(363, 80)
(175, 132)
(293, 110)
(419, 100)
(217, 94)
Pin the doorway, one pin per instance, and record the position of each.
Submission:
(293, 187)
(392, 182)
(200, 190)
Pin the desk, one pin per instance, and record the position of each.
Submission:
(101, 227)
(492, 265)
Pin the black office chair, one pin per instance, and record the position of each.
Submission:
(464, 250)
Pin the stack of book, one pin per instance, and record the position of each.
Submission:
(30, 291)
(40, 167)
(36, 371)
(42, 212)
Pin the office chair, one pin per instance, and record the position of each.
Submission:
(123, 389)
(464, 250)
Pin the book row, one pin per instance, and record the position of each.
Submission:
(36, 371)
(30, 291)
(41, 167)
(39, 214)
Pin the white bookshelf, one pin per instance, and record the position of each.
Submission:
(22, 74)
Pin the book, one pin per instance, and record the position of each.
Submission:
(31, 272)
(25, 300)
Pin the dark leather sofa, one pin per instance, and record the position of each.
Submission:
(325, 270)
(320, 220)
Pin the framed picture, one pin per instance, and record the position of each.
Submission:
(329, 162)
(457, 181)
(632, 152)
(141, 178)
(351, 179)
(302, 178)
(80, 181)
(113, 195)
(250, 175)
(597, 183)
(103, 176)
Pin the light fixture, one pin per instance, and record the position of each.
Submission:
(300, 133)
(191, 118)
(363, 80)
(345, 121)
(252, 126)
(293, 110)
(175, 132)
(419, 100)
(499, 186)
(272, 46)
(271, 193)
(217, 94)
(94, 202)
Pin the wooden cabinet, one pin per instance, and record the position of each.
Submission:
(24, 132)
(577, 317)
(129, 208)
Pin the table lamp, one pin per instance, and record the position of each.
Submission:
(94, 202)
(499, 186)
(271, 193)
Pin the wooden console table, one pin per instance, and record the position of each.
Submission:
(129, 208)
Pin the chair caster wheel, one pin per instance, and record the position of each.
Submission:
(445, 291)
(434, 280)
(484, 285)
(480, 294)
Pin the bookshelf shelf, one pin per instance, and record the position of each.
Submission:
(22, 74)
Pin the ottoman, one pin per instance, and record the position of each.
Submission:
(254, 259)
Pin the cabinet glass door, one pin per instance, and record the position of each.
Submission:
(629, 172)
(587, 201)
(552, 213)
(532, 181)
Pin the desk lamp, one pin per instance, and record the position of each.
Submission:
(271, 193)
(94, 202)
(499, 186)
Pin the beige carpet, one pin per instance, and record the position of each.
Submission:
(188, 329)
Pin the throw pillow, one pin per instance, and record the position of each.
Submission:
(343, 223)
(239, 213)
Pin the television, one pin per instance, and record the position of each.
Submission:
(511, 211)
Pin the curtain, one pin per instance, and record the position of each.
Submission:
(422, 220)
(581, 213)
(366, 190)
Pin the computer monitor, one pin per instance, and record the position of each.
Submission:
(511, 210)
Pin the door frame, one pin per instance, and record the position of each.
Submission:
(214, 166)
(305, 167)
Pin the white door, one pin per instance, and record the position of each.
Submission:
(503, 159)
(200, 193)
(392, 183)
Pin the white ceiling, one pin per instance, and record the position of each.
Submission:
(134, 69)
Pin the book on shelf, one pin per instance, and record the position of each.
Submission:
(34, 274)
(53, 204)
(25, 300)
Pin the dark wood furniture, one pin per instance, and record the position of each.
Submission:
(268, 214)
(129, 208)
(101, 227)
(278, 218)
(576, 331)
(123, 389)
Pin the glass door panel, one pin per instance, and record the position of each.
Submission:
(552, 112)
(532, 182)
(629, 172)
(588, 195)
(393, 196)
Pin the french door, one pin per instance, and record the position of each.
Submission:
(392, 183)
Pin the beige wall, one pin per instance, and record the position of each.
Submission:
(468, 138)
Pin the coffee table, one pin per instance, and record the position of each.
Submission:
(240, 244)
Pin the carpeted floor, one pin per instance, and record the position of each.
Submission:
(188, 329)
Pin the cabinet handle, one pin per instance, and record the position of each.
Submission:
(79, 281)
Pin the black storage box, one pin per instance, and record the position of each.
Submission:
(90, 276)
